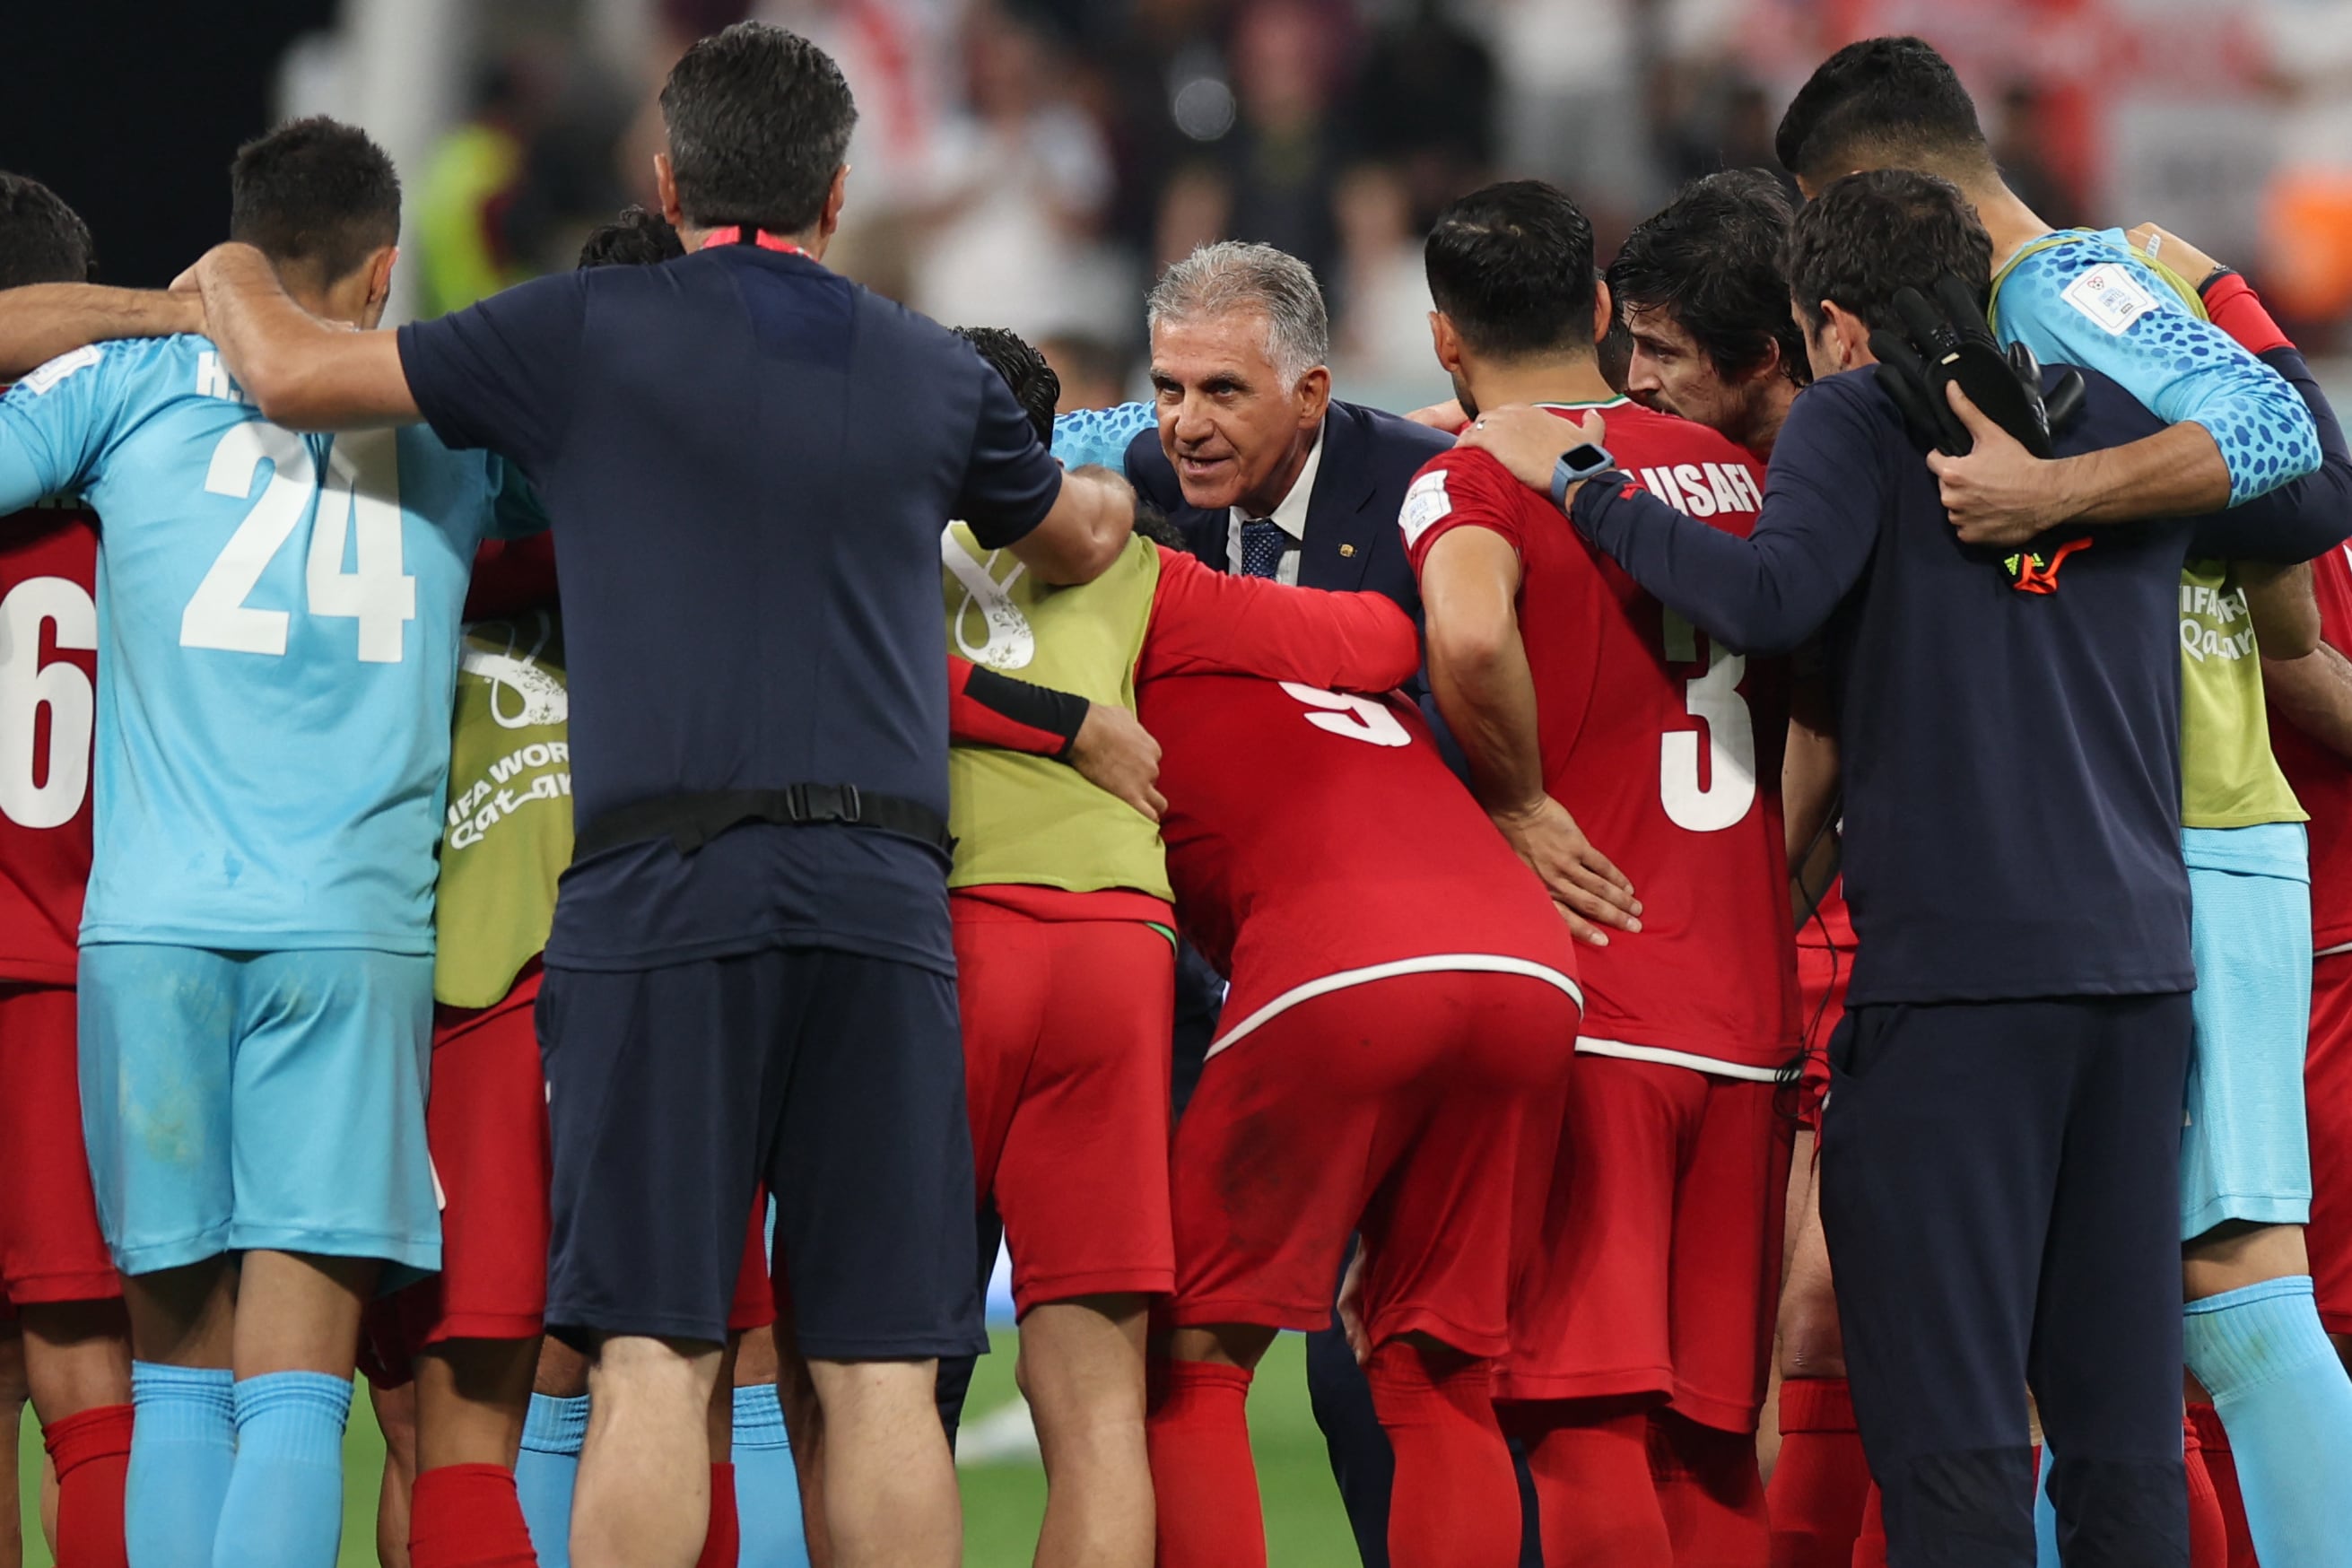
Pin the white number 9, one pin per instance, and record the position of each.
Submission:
(1358, 717)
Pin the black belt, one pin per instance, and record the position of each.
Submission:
(690, 821)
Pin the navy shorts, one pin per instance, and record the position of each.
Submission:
(835, 1078)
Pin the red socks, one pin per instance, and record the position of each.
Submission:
(2209, 1537)
(1870, 1543)
(1590, 1459)
(722, 1542)
(1198, 1433)
(1711, 1493)
(467, 1516)
(92, 1454)
(1456, 1504)
(2222, 1469)
(1821, 1481)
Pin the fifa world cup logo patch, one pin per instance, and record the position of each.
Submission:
(2033, 573)
(515, 677)
(1007, 641)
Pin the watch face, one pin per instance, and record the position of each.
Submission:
(1587, 459)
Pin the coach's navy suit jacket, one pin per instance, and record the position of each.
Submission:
(1352, 541)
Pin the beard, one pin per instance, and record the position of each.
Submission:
(1462, 395)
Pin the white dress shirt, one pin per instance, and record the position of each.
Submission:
(1290, 516)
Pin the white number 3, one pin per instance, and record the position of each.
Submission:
(1714, 699)
(1358, 717)
(362, 496)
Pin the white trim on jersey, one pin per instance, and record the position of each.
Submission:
(1587, 1045)
(1434, 963)
(2332, 952)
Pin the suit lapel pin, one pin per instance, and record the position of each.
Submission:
(1347, 550)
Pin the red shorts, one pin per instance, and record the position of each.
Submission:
(50, 1245)
(1659, 1269)
(486, 1124)
(1067, 1026)
(1394, 1108)
(2328, 1107)
(1823, 975)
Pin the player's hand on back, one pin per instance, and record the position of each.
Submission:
(2000, 494)
(1446, 415)
(1590, 892)
(1115, 753)
(2160, 244)
(1529, 441)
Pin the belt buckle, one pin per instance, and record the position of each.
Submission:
(853, 808)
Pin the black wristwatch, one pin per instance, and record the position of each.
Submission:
(1580, 462)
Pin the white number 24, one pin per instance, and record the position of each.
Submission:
(360, 496)
(1714, 699)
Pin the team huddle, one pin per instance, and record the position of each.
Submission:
(1750, 873)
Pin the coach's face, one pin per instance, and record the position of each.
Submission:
(1236, 429)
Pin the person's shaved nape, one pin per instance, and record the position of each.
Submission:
(317, 197)
(1883, 103)
(42, 240)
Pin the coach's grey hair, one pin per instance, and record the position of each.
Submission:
(1231, 275)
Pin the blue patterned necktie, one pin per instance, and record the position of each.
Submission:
(1263, 542)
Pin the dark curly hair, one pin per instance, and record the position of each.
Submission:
(637, 238)
(1024, 370)
(1711, 261)
(1870, 235)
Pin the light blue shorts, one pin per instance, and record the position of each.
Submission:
(2243, 1151)
(235, 1101)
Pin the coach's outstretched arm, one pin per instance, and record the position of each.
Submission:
(1085, 532)
(300, 371)
(41, 321)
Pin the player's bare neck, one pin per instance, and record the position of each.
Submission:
(2010, 223)
(1565, 379)
(1772, 411)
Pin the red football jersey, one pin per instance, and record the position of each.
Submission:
(1665, 747)
(48, 707)
(2322, 779)
(1317, 840)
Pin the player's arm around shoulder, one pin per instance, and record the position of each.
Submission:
(1204, 621)
(2237, 430)
(302, 373)
(41, 322)
(1085, 531)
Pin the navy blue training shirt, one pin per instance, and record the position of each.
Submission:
(2011, 760)
(748, 461)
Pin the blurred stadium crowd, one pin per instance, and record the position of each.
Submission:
(1032, 162)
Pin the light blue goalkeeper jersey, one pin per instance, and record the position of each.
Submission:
(277, 620)
(2085, 298)
(1101, 436)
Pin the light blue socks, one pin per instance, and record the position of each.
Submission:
(767, 1489)
(183, 1445)
(285, 1502)
(545, 1471)
(2287, 1405)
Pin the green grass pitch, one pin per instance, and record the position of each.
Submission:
(1304, 1524)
